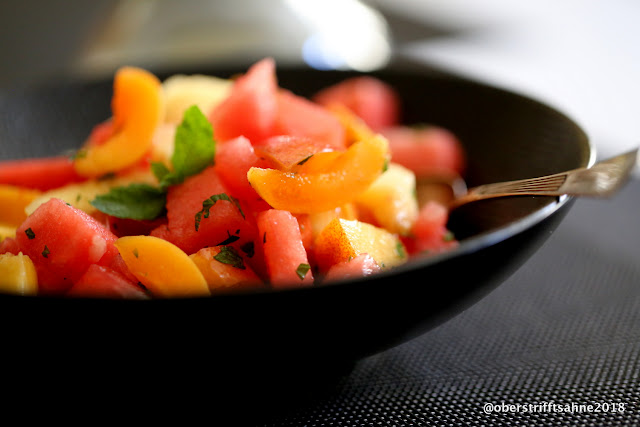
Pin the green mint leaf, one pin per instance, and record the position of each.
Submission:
(194, 145)
(400, 250)
(160, 170)
(228, 255)
(385, 166)
(448, 236)
(208, 203)
(80, 154)
(303, 161)
(135, 201)
(229, 240)
(302, 270)
(194, 150)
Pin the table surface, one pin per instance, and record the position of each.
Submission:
(562, 332)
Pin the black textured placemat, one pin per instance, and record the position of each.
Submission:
(562, 333)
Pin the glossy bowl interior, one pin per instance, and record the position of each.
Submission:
(506, 136)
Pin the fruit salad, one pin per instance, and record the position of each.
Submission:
(199, 185)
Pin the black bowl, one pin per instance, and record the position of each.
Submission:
(506, 136)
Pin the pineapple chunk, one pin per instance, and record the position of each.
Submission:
(17, 275)
(391, 200)
(321, 219)
(80, 195)
(181, 92)
(162, 143)
(343, 240)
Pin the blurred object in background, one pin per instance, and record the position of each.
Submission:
(580, 56)
(47, 40)
(40, 39)
(165, 34)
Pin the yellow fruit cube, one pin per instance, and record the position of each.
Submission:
(17, 275)
(163, 268)
(216, 263)
(321, 219)
(182, 91)
(391, 200)
(343, 240)
(13, 201)
(7, 231)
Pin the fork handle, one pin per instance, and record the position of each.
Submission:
(601, 180)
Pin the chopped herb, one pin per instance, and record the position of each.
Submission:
(135, 252)
(46, 252)
(160, 170)
(107, 176)
(448, 236)
(230, 239)
(303, 161)
(208, 203)
(135, 201)
(249, 249)
(82, 153)
(78, 197)
(400, 250)
(30, 234)
(385, 166)
(302, 270)
(421, 126)
(228, 255)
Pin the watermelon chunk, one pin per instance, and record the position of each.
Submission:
(234, 158)
(102, 282)
(360, 266)
(299, 117)
(225, 223)
(250, 108)
(371, 99)
(41, 174)
(63, 242)
(284, 253)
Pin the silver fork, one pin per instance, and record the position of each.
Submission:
(603, 179)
